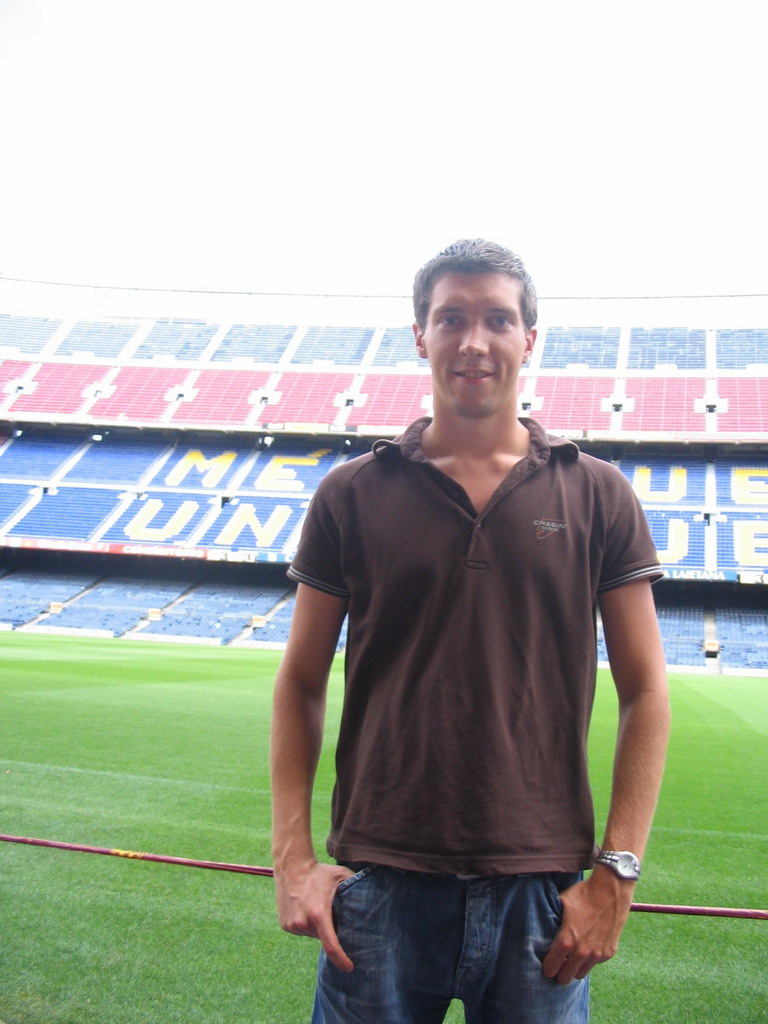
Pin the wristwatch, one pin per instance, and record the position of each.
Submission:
(624, 863)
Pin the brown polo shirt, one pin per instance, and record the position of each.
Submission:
(471, 656)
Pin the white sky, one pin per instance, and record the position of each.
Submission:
(334, 147)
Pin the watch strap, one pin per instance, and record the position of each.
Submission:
(625, 863)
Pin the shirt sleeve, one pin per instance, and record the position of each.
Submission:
(318, 558)
(629, 553)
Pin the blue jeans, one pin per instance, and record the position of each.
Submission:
(420, 940)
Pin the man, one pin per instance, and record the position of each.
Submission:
(470, 554)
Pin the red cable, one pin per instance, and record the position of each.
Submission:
(247, 869)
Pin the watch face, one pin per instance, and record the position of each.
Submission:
(624, 863)
(627, 865)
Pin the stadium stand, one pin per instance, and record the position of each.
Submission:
(71, 513)
(593, 347)
(218, 398)
(253, 343)
(742, 408)
(25, 595)
(397, 347)
(57, 389)
(38, 457)
(115, 605)
(100, 339)
(275, 631)
(683, 633)
(14, 374)
(184, 340)
(389, 400)
(679, 537)
(141, 394)
(569, 403)
(631, 381)
(666, 479)
(202, 441)
(219, 613)
(667, 346)
(241, 494)
(14, 498)
(742, 540)
(675, 406)
(307, 399)
(118, 461)
(26, 334)
(343, 346)
(741, 483)
(743, 637)
(742, 349)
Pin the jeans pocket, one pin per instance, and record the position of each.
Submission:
(556, 882)
(358, 876)
(552, 893)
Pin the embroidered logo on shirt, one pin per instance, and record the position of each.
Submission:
(547, 527)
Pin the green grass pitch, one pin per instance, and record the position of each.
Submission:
(163, 749)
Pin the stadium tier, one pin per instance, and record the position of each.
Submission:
(595, 347)
(561, 402)
(25, 595)
(27, 333)
(200, 442)
(743, 637)
(674, 346)
(245, 500)
(620, 383)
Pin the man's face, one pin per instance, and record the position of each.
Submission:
(475, 341)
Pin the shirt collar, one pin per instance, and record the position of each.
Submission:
(542, 445)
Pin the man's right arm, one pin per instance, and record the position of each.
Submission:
(304, 887)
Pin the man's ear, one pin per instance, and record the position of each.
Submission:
(419, 336)
(530, 338)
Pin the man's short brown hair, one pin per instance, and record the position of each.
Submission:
(474, 256)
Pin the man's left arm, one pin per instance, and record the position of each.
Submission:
(595, 911)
